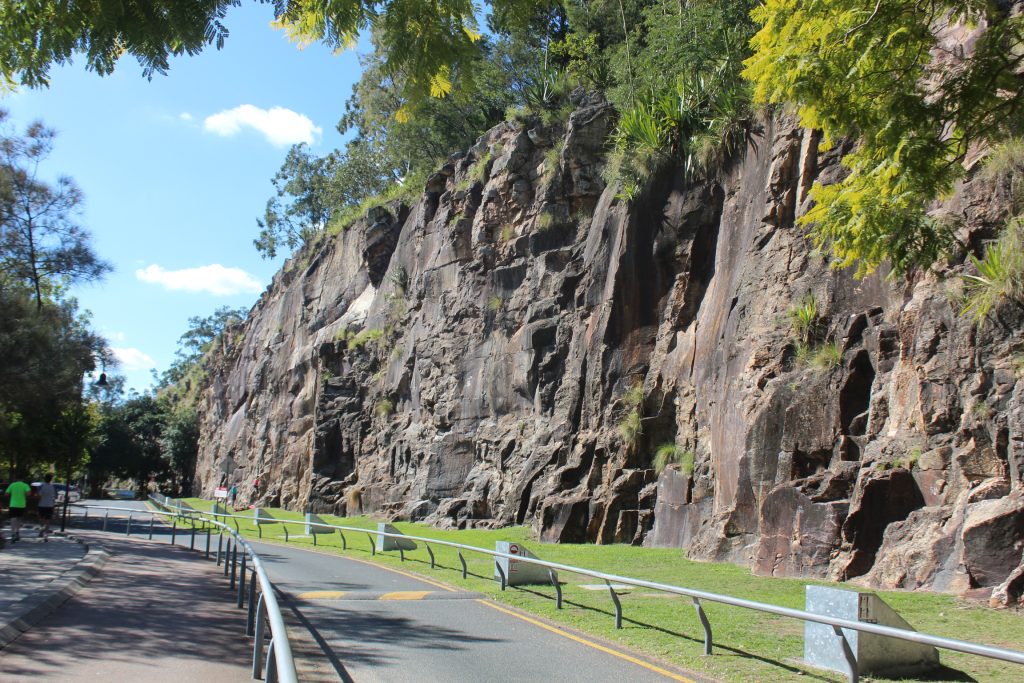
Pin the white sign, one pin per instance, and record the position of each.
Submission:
(221, 492)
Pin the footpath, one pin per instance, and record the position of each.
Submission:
(104, 607)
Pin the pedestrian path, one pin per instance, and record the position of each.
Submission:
(155, 613)
(30, 566)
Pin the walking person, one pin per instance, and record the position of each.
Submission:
(47, 501)
(233, 494)
(17, 494)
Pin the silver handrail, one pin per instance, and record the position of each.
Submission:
(280, 663)
(837, 624)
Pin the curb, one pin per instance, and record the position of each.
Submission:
(32, 609)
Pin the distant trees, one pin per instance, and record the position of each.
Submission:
(41, 244)
(46, 344)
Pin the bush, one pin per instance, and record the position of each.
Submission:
(803, 318)
(1000, 273)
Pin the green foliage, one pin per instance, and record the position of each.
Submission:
(630, 429)
(631, 424)
(803, 318)
(872, 73)
(1005, 163)
(700, 125)
(384, 408)
(372, 336)
(508, 231)
(545, 221)
(495, 303)
(913, 456)
(827, 356)
(183, 378)
(673, 454)
(1000, 273)
(42, 246)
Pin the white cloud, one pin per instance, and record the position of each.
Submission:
(185, 116)
(132, 359)
(115, 335)
(214, 279)
(278, 125)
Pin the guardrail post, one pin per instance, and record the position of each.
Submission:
(106, 516)
(152, 520)
(174, 530)
(250, 614)
(87, 512)
(128, 528)
(192, 538)
(431, 553)
(312, 532)
(259, 529)
(271, 664)
(618, 605)
(344, 543)
(241, 582)
(401, 554)
(220, 544)
(237, 530)
(706, 624)
(501, 573)
(373, 545)
(558, 588)
(208, 529)
(851, 659)
(234, 565)
(465, 570)
(227, 557)
(257, 649)
(285, 527)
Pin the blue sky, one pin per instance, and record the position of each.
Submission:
(176, 170)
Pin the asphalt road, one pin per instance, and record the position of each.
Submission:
(356, 621)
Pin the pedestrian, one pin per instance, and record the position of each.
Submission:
(17, 494)
(47, 501)
(233, 494)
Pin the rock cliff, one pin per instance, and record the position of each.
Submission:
(514, 347)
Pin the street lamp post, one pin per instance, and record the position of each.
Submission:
(101, 382)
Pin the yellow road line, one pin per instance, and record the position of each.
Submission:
(321, 595)
(405, 595)
(583, 641)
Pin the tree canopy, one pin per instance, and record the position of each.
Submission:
(877, 72)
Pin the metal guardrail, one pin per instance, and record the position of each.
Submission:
(696, 596)
(263, 609)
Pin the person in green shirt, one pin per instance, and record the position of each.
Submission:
(17, 494)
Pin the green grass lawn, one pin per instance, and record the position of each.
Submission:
(749, 645)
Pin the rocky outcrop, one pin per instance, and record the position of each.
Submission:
(471, 361)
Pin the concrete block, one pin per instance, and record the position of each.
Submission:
(384, 543)
(311, 521)
(520, 573)
(874, 654)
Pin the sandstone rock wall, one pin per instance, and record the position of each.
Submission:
(472, 361)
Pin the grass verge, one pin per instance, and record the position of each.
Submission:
(749, 646)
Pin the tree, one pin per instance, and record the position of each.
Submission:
(426, 41)
(45, 353)
(41, 243)
(875, 72)
(302, 205)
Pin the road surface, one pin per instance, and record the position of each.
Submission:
(353, 620)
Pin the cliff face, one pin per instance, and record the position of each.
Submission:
(469, 361)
